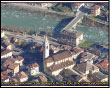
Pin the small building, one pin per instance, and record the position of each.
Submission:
(19, 60)
(42, 78)
(33, 69)
(86, 56)
(4, 78)
(103, 64)
(76, 51)
(2, 34)
(6, 53)
(7, 45)
(95, 10)
(14, 67)
(86, 67)
(22, 76)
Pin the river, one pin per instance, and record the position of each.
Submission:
(38, 21)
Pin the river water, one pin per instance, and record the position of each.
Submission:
(38, 21)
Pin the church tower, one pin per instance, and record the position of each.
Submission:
(45, 48)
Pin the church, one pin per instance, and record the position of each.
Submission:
(54, 64)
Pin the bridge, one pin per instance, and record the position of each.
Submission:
(74, 22)
(78, 19)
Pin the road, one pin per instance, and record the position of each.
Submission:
(29, 38)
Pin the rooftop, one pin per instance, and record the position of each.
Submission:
(13, 66)
(56, 67)
(5, 52)
(103, 64)
(95, 7)
(21, 75)
(61, 55)
(33, 65)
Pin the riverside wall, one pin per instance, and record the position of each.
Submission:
(35, 9)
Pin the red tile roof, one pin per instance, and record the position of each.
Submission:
(5, 52)
(103, 64)
(19, 58)
(95, 7)
(13, 66)
(61, 55)
(42, 78)
(48, 60)
(33, 65)
(21, 75)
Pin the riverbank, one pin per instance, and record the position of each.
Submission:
(90, 22)
(35, 9)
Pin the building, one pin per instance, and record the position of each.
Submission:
(6, 53)
(103, 64)
(76, 6)
(46, 48)
(86, 56)
(76, 51)
(22, 76)
(42, 78)
(100, 77)
(33, 69)
(9, 61)
(19, 60)
(14, 67)
(95, 10)
(86, 67)
(4, 78)
(73, 39)
(7, 45)
(56, 63)
(2, 34)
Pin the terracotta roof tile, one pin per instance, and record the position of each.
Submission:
(13, 66)
(103, 64)
(21, 75)
(61, 55)
(95, 7)
(33, 65)
(5, 52)
(56, 67)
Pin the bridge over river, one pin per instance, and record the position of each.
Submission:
(81, 12)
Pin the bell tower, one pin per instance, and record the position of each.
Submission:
(45, 48)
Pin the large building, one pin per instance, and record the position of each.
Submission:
(54, 64)
(73, 39)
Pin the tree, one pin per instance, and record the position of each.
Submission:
(19, 42)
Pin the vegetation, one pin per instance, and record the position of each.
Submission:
(61, 7)
(96, 19)
(19, 42)
(86, 44)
